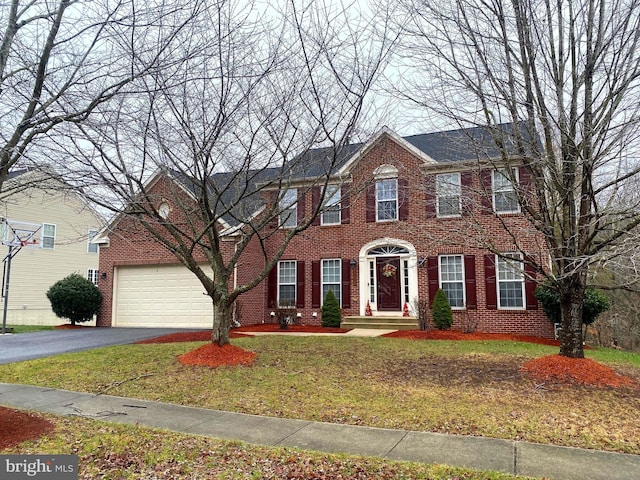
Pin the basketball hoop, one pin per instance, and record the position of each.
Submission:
(19, 234)
(16, 235)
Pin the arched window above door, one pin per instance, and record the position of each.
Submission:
(387, 250)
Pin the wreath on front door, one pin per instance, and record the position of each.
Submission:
(389, 270)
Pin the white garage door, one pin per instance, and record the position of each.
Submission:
(160, 296)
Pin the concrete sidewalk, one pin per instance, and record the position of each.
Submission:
(520, 458)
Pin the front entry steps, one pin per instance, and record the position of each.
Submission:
(381, 323)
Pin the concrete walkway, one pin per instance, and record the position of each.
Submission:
(520, 458)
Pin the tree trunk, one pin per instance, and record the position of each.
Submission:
(222, 315)
(572, 298)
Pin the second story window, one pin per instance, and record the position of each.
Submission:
(505, 199)
(289, 209)
(48, 235)
(448, 194)
(92, 247)
(331, 213)
(386, 199)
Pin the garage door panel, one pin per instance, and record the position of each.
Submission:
(160, 296)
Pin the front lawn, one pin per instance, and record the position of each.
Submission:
(469, 388)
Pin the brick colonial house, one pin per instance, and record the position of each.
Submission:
(403, 217)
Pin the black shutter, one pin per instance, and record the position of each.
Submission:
(346, 283)
(299, 284)
(315, 284)
(403, 199)
(345, 204)
(315, 201)
(486, 192)
(470, 282)
(490, 281)
(272, 288)
(434, 281)
(371, 202)
(466, 178)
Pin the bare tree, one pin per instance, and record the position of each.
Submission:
(567, 74)
(231, 124)
(59, 60)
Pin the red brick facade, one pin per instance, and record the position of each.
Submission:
(414, 241)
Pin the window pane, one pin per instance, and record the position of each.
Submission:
(511, 294)
(448, 191)
(455, 293)
(288, 207)
(287, 296)
(452, 279)
(387, 210)
(331, 213)
(48, 235)
(504, 195)
(331, 278)
(510, 283)
(506, 201)
(287, 283)
(387, 189)
(387, 199)
(92, 247)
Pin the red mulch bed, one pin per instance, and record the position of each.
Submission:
(17, 427)
(275, 327)
(458, 335)
(199, 336)
(211, 355)
(575, 371)
(65, 326)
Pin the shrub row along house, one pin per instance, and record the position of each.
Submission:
(401, 217)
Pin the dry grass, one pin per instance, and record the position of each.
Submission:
(113, 451)
(472, 388)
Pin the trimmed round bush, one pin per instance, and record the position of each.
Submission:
(441, 311)
(75, 298)
(331, 316)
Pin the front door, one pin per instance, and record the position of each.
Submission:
(388, 278)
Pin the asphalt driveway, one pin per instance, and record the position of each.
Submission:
(26, 346)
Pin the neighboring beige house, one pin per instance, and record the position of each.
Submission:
(67, 224)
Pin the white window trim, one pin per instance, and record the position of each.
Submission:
(42, 237)
(322, 282)
(510, 188)
(290, 206)
(397, 213)
(294, 283)
(90, 236)
(440, 194)
(93, 275)
(464, 284)
(328, 203)
(517, 257)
